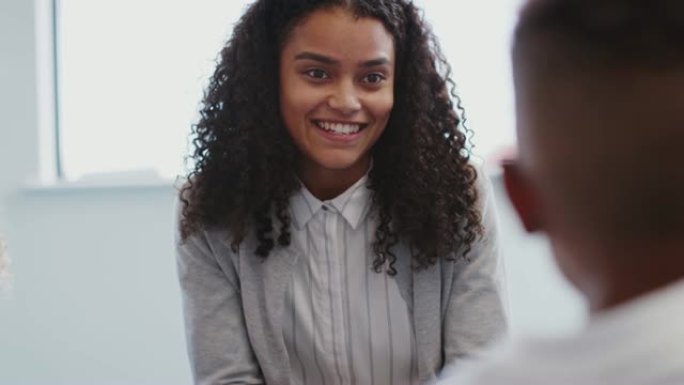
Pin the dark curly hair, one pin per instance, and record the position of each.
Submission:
(423, 186)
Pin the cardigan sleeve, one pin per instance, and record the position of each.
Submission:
(476, 314)
(216, 334)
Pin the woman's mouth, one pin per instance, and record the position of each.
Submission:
(340, 128)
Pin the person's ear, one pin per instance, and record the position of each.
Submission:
(522, 195)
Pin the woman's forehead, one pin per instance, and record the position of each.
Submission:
(340, 34)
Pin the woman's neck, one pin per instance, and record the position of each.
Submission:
(326, 184)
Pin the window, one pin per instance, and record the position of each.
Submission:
(475, 38)
(131, 75)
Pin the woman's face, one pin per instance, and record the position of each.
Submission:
(336, 89)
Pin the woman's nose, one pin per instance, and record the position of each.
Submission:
(345, 98)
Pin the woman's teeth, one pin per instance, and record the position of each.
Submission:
(339, 128)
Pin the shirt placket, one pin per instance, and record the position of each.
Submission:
(335, 255)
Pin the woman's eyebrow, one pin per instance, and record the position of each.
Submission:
(316, 57)
(374, 62)
(328, 60)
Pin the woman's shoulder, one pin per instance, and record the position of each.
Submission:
(217, 239)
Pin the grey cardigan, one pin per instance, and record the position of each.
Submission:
(233, 305)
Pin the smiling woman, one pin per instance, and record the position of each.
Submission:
(186, 37)
(336, 95)
(333, 230)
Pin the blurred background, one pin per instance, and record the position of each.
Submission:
(97, 98)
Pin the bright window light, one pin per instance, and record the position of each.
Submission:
(131, 75)
(475, 37)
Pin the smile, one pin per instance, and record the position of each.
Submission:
(340, 128)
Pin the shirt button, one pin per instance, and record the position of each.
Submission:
(325, 208)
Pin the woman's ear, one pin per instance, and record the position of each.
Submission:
(522, 195)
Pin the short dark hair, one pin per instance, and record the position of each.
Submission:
(619, 171)
(647, 34)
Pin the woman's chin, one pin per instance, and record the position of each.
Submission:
(340, 163)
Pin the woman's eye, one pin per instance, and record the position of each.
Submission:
(374, 78)
(317, 74)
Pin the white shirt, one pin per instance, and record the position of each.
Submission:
(638, 343)
(344, 323)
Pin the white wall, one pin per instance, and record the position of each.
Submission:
(17, 96)
(95, 298)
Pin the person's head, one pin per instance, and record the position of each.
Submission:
(599, 90)
(327, 85)
(336, 92)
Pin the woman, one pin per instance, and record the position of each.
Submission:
(332, 230)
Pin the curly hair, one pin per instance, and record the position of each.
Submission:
(423, 185)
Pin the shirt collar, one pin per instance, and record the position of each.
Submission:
(353, 204)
